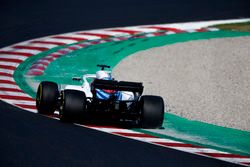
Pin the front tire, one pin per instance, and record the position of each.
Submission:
(46, 97)
(73, 105)
(152, 112)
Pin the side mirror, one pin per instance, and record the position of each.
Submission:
(76, 79)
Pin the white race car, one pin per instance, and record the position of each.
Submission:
(103, 97)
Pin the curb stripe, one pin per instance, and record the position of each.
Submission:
(21, 94)
(154, 139)
(42, 61)
(5, 74)
(16, 97)
(113, 130)
(27, 106)
(10, 89)
(221, 155)
(133, 134)
(16, 53)
(48, 42)
(107, 32)
(40, 45)
(246, 163)
(141, 29)
(177, 145)
(8, 78)
(201, 30)
(131, 32)
(13, 57)
(70, 38)
(9, 86)
(9, 64)
(65, 41)
(33, 52)
(7, 82)
(167, 29)
(236, 160)
(7, 67)
(22, 102)
(30, 47)
(34, 72)
(6, 71)
(86, 37)
(198, 150)
(11, 60)
(95, 34)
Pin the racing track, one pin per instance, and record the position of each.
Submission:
(28, 137)
(35, 140)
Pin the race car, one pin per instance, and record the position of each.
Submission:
(102, 96)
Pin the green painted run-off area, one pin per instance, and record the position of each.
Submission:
(84, 61)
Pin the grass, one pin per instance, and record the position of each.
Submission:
(245, 27)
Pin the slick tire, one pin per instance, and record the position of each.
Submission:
(73, 106)
(151, 111)
(47, 97)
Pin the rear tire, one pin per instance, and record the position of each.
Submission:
(73, 106)
(152, 111)
(46, 97)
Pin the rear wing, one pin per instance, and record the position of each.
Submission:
(135, 87)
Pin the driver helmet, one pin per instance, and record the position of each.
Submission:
(103, 75)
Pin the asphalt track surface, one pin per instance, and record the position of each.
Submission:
(29, 139)
(28, 19)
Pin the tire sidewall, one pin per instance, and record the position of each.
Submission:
(73, 106)
(151, 111)
(47, 97)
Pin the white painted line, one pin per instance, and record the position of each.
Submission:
(28, 51)
(170, 32)
(14, 93)
(87, 37)
(7, 78)
(237, 160)
(33, 103)
(31, 51)
(9, 63)
(64, 50)
(66, 41)
(148, 139)
(197, 150)
(111, 33)
(140, 29)
(114, 130)
(9, 86)
(7, 71)
(212, 29)
(37, 65)
(14, 57)
(42, 61)
(44, 45)
(8, 48)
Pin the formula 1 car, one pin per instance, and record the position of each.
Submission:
(119, 100)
